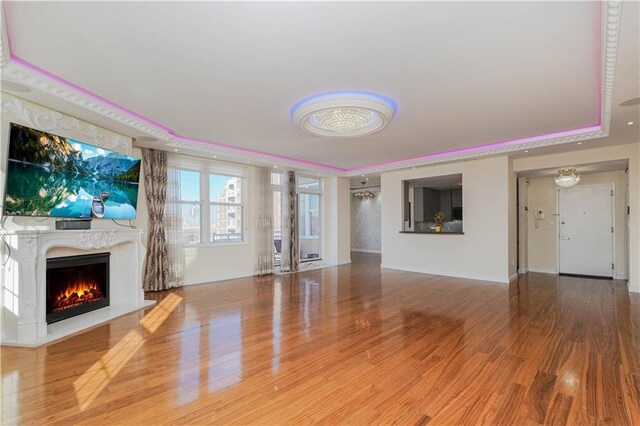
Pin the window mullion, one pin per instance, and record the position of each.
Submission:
(205, 210)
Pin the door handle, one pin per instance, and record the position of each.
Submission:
(562, 237)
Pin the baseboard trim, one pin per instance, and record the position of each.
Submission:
(215, 278)
(513, 277)
(480, 277)
(543, 271)
(366, 250)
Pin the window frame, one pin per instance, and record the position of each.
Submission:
(319, 192)
(205, 169)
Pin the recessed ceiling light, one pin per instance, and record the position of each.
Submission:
(579, 143)
(215, 156)
(343, 114)
(248, 162)
(629, 123)
(175, 149)
(14, 87)
(413, 168)
(275, 167)
(526, 150)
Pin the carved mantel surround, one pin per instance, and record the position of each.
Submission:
(24, 287)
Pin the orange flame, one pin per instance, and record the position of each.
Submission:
(77, 287)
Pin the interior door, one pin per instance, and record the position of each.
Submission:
(586, 230)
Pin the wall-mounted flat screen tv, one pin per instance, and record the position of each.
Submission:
(49, 175)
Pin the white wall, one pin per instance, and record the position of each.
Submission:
(542, 243)
(483, 252)
(366, 223)
(630, 152)
(336, 221)
(207, 263)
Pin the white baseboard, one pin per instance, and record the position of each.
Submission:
(215, 278)
(544, 270)
(366, 250)
(522, 270)
(513, 277)
(620, 276)
(477, 277)
(634, 289)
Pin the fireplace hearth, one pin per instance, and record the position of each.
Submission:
(76, 285)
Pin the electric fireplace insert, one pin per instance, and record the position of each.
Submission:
(76, 285)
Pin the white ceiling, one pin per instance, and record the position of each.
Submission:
(462, 73)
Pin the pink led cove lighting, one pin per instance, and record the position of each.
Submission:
(177, 137)
(262, 154)
(477, 148)
(100, 99)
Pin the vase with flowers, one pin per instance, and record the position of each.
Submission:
(439, 220)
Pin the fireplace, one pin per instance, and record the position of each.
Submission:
(76, 285)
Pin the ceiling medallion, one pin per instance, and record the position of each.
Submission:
(566, 178)
(343, 114)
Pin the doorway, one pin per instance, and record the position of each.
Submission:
(585, 230)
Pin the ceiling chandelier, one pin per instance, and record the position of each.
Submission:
(566, 178)
(343, 114)
(364, 194)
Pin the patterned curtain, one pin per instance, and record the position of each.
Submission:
(289, 225)
(156, 270)
(264, 241)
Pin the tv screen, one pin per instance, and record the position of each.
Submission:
(48, 175)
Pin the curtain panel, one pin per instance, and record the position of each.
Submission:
(157, 275)
(264, 240)
(290, 261)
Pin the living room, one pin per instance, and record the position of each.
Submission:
(319, 212)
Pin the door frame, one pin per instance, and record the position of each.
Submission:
(611, 186)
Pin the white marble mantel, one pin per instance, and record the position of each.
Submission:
(23, 281)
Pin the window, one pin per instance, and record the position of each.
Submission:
(225, 196)
(276, 187)
(309, 217)
(190, 208)
(211, 202)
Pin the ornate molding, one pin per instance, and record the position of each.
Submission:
(611, 34)
(611, 13)
(97, 241)
(461, 156)
(230, 154)
(27, 77)
(29, 248)
(51, 120)
(4, 45)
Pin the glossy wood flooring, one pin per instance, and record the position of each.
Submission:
(346, 345)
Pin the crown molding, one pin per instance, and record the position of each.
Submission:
(4, 41)
(238, 155)
(610, 37)
(13, 68)
(470, 154)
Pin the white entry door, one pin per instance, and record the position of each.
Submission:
(586, 230)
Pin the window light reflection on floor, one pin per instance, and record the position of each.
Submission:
(93, 381)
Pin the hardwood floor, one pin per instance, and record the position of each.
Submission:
(346, 345)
